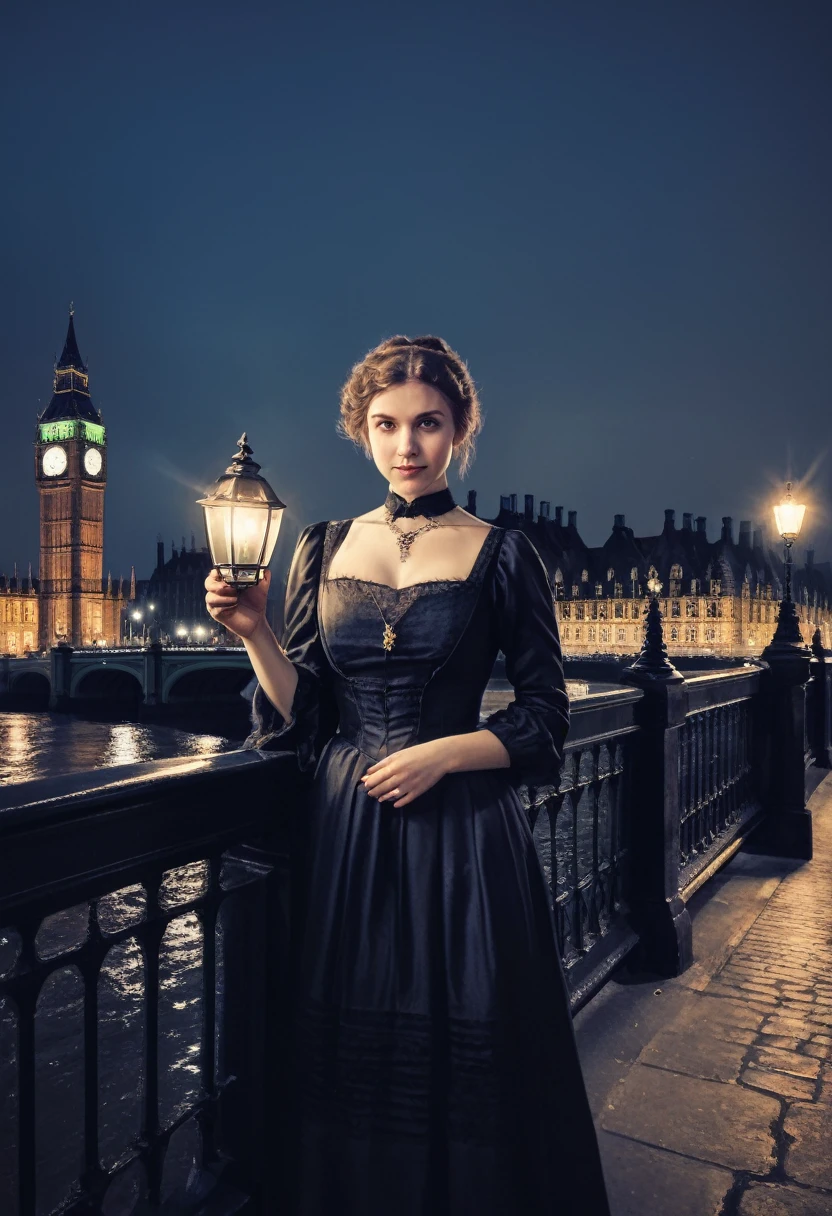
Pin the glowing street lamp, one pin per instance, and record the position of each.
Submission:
(788, 518)
(242, 520)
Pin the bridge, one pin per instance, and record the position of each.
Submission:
(153, 675)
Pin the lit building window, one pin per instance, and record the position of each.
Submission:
(674, 634)
(619, 611)
(619, 591)
(577, 633)
(584, 576)
(622, 635)
(605, 635)
(610, 574)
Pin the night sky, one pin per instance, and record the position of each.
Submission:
(618, 213)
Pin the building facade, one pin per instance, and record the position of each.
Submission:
(718, 597)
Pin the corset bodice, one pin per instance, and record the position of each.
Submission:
(388, 699)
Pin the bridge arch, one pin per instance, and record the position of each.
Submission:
(31, 688)
(107, 682)
(201, 682)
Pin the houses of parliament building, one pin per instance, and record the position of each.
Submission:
(719, 597)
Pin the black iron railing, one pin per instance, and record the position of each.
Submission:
(718, 788)
(581, 831)
(144, 918)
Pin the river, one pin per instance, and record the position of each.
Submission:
(34, 745)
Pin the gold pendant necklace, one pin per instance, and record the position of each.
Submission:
(389, 639)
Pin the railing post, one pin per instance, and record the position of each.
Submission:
(787, 828)
(60, 663)
(821, 711)
(659, 912)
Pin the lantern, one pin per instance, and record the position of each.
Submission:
(242, 520)
(788, 516)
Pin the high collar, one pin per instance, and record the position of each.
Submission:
(437, 503)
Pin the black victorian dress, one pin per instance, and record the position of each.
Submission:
(436, 1066)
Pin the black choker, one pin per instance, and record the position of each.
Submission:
(438, 503)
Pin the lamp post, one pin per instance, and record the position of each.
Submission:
(787, 828)
(242, 520)
(788, 518)
(134, 616)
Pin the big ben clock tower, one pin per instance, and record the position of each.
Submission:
(71, 475)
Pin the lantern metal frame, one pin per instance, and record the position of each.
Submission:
(226, 494)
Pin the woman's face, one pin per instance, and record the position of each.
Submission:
(410, 429)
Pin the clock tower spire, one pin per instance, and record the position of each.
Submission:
(71, 476)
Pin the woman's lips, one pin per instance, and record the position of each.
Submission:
(409, 471)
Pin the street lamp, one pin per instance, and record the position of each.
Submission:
(134, 616)
(788, 519)
(242, 520)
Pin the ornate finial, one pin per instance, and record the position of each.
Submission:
(653, 661)
(817, 644)
(242, 463)
(71, 308)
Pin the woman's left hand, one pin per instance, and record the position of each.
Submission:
(408, 773)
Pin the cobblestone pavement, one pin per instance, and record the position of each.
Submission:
(727, 1110)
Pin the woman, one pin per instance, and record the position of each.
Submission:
(437, 1070)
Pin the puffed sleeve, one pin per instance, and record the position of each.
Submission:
(313, 716)
(533, 727)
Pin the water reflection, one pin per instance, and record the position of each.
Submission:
(48, 745)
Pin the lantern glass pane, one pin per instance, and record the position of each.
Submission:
(789, 518)
(218, 525)
(250, 525)
(271, 539)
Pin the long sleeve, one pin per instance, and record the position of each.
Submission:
(313, 708)
(533, 727)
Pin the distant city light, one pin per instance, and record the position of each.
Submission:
(137, 616)
(200, 631)
(151, 607)
(181, 631)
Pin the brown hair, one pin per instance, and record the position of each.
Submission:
(399, 359)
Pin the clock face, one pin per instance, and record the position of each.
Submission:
(54, 461)
(92, 461)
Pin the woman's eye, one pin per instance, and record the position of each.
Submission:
(430, 423)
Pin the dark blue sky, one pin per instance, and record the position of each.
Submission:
(619, 214)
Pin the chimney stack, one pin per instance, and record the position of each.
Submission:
(505, 502)
(728, 528)
(160, 554)
(618, 521)
(544, 509)
(687, 521)
(745, 532)
(512, 498)
(559, 516)
(757, 538)
(810, 558)
(669, 518)
(701, 525)
(573, 519)
(528, 506)
(472, 502)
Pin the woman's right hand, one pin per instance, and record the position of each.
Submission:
(241, 612)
